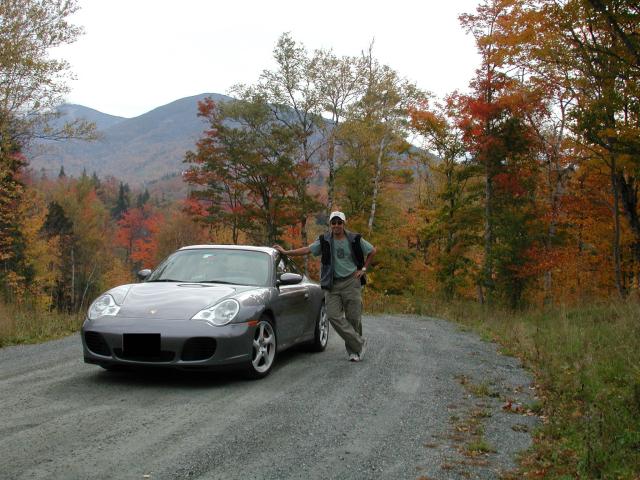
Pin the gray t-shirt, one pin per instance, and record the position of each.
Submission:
(343, 264)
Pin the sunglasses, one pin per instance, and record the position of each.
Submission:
(336, 222)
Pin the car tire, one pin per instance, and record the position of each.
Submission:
(321, 332)
(263, 349)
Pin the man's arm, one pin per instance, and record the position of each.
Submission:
(369, 258)
(293, 253)
(367, 261)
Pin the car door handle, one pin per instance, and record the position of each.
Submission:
(306, 294)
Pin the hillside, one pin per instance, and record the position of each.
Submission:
(136, 150)
(145, 151)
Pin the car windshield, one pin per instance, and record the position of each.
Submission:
(236, 267)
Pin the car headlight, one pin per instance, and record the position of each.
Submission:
(219, 314)
(103, 306)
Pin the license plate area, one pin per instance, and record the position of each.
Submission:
(141, 345)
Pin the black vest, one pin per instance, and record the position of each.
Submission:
(326, 273)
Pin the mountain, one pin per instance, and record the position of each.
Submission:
(135, 150)
(102, 120)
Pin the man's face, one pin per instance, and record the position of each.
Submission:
(337, 226)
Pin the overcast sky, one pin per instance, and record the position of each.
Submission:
(136, 55)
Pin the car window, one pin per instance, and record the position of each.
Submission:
(286, 265)
(281, 266)
(239, 267)
(292, 267)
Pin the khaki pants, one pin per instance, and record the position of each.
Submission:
(346, 296)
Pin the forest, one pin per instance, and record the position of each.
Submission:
(521, 191)
(510, 207)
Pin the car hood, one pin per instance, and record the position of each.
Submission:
(173, 300)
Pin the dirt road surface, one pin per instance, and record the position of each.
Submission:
(427, 402)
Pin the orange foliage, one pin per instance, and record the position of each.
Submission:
(136, 233)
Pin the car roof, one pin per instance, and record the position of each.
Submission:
(269, 250)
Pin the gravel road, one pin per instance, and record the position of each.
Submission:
(408, 411)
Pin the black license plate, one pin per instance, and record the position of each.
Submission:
(141, 344)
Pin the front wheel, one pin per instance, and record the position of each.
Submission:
(321, 334)
(263, 349)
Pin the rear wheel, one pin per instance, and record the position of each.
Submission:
(263, 349)
(321, 335)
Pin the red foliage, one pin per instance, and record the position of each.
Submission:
(136, 233)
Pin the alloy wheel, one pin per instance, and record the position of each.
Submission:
(264, 347)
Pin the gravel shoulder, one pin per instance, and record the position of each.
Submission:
(401, 413)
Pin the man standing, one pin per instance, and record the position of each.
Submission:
(345, 259)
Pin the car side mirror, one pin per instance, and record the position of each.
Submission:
(289, 279)
(143, 274)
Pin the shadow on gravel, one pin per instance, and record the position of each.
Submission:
(172, 378)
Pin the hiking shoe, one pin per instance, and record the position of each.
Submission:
(354, 357)
(363, 349)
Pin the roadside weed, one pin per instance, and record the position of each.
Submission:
(586, 363)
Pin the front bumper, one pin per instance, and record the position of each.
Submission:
(184, 344)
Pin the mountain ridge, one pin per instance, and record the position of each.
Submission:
(136, 150)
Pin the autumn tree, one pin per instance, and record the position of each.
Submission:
(294, 102)
(245, 169)
(493, 119)
(340, 82)
(85, 252)
(31, 85)
(581, 56)
(374, 132)
(136, 235)
(178, 230)
(218, 197)
(14, 266)
(452, 221)
(607, 111)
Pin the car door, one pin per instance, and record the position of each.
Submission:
(309, 312)
(292, 305)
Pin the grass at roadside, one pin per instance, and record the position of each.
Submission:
(586, 361)
(19, 325)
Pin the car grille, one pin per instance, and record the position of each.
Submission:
(97, 344)
(163, 356)
(198, 348)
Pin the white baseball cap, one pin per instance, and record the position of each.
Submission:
(339, 215)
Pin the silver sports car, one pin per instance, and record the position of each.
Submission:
(206, 307)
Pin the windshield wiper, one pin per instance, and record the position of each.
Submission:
(219, 281)
(165, 280)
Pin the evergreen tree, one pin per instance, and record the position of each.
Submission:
(123, 203)
(56, 222)
(57, 225)
(143, 198)
(95, 180)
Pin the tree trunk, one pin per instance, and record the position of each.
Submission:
(376, 184)
(616, 230)
(487, 269)
(73, 281)
(86, 287)
(555, 186)
(304, 235)
(628, 191)
(331, 151)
